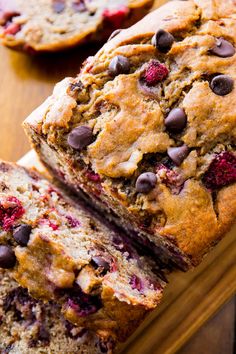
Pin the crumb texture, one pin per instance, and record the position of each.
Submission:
(63, 253)
(28, 326)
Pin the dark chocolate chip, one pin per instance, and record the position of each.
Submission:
(119, 65)
(178, 154)
(58, 6)
(79, 6)
(146, 182)
(163, 41)
(80, 137)
(100, 262)
(222, 85)
(7, 257)
(176, 120)
(114, 34)
(223, 48)
(22, 234)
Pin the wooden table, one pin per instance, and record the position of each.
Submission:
(25, 82)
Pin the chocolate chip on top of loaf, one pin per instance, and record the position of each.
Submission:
(159, 102)
(64, 253)
(49, 25)
(28, 326)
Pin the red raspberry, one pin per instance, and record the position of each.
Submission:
(72, 221)
(11, 209)
(12, 28)
(53, 226)
(92, 176)
(170, 178)
(136, 283)
(116, 16)
(154, 73)
(221, 172)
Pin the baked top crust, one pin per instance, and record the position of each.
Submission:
(49, 25)
(130, 108)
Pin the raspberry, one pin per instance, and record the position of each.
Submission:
(11, 209)
(72, 221)
(49, 223)
(92, 176)
(82, 303)
(154, 73)
(221, 172)
(53, 226)
(12, 28)
(136, 283)
(170, 178)
(116, 16)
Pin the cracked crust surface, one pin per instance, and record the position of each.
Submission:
(130, 137)
(49, 25)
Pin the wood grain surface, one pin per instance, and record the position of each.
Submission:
(191, 298)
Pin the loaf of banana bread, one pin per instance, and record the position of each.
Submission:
(147, 130)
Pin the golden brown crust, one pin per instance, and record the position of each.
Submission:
(128, 125)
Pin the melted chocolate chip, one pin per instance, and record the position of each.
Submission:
(146, 182)
(22, 234)
(100, 262)
(223, 48)
(79, 6)
(114, 34)
(58, 6)
(43, 334)
(7, 257)
(176, 120)
(80, 137)
(119, 65)
(222, 85)
(163, 41)
(178, 154)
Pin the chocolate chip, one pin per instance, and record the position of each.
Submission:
(176, 120)
(7, 257)
(146, 182)
(163, 41)
(223, 48)
(22, 234)
(80, 137)
(79, 6)
(100, 262)
(114, 34)
(178, 154)
(58, 6)
(119, 65)
(222, 85)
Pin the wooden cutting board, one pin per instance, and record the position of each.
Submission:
(190, 299)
